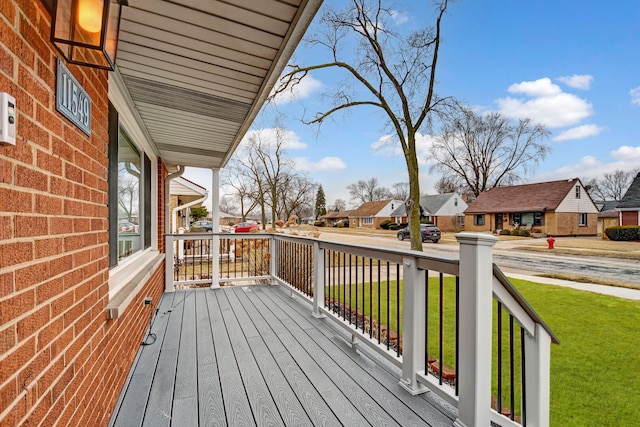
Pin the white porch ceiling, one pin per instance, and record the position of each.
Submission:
(198, 71)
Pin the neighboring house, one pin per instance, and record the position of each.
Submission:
(371, 214)
(607, 217)
(332, 217)
(629, 205)
(187, 194)
(444, 210)
(558, 208)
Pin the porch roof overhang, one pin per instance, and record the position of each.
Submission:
(198, 71)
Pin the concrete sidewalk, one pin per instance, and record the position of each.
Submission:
(626, 293)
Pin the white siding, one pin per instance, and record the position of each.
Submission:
(450, 208)
(390, 207)
(571, 204)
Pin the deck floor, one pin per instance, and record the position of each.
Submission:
(252, 355)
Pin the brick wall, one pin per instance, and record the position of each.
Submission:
(62, 361)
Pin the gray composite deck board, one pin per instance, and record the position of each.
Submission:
(252, 355)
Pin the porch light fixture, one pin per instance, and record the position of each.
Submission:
(86, 31)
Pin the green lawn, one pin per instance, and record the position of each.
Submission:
(595, 371)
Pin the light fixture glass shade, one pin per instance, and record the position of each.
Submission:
(86, 31)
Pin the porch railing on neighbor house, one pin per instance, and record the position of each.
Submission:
(442, 321)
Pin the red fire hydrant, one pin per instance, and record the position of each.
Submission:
(550, 242)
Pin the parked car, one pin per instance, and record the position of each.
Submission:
(344, 222)
(127, 227)
(428, 231)
(205, 225)
(245, 227)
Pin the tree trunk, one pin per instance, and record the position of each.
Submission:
(412, 205)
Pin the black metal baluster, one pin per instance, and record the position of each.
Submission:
(363, 293)
(499, 326)
(378, 322)
(370, 298)
(457, 329)
(426, 322)
(350, 281)
(523, 408)
(398, 310)
(344, 285)
(440, 363)
(511, 369)
(388, 307)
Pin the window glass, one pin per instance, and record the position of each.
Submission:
(577, 191)
(367, 220)
(129, 170)
(537, 218)
(479, 219)
(582, 219)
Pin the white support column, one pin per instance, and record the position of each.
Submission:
(169, 263)
(318, 280)
(537, 352)
(273, 250)
(476, 302)
(413, 326)
(215, 216)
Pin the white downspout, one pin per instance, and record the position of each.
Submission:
(179, 208)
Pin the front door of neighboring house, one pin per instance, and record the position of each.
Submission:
(630, 218)
(499, 221)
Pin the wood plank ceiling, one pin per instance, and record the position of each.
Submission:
(198, 71)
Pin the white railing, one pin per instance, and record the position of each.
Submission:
(370, 291)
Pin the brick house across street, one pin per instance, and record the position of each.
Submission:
(558, 208)
(629, 205)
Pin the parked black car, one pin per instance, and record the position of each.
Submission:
(428, 231)
(344, 222)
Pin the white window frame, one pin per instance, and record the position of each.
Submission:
(582, 219)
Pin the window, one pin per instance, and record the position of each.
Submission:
(538, 219)
(582, 219)
(516, 219)
(367, 220)
(460, 220)
(129, 194)
(577, 191)
(478, 219)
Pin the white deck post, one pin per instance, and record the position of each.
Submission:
(169, 266)
(537, 352)
(273, 251)
(318, 280)
(215, 218)
(413, 326)
(476, 302)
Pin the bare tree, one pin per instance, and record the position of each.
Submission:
(391, 72)
(447, 184)
(237, 177)
(486, 151)
(367, 191)
(339, 205)
(612, 186)
(400, 191)
(296, 195)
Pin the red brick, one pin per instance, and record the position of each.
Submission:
(60, 265)
(47, 205)
(31, 131)
(49, 163)
(49, 289)
(46, 73)
(61, 304)
(52, 372)
(53, 416)
(72, 173)
(6, 171)
(81, 258)
(34, 273)
(62, 149)
(15, 43)
(15, 201)
(5, 228)
(8, 9)
(6, 62)
(15, 253)
(48, 247)
(49, 333)
(36, 88)
(61, 343)
(62, 226)
(74, 208)
(29, 226)
(17, 358)
(7, 340)
(72, 278)
(28, 374)
(7, 285)
(51, 122)
(60, 187)
(31, 178)
(8, 394)
(33, 323)
(81, 192)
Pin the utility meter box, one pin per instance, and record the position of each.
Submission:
(7, 119)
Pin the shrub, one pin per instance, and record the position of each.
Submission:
(319, 224)
(426, 221)
(505, 232)
(404, 224)
(395, 227)
(340, 224)
(623, 233)
(385, 224)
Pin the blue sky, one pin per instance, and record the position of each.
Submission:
(571, 65)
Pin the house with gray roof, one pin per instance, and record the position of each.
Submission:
(559, 208)
(444, 210)
(629, 205)
(371, 214)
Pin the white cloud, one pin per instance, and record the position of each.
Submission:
(307, 87)
(325, 164)
(549, 105)
(579, 132)
(536, 88)
(627, 153)
(626, 158)
(635, 95)
(399, 17)
(290, 139)
(577, 81)
(389, 146)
